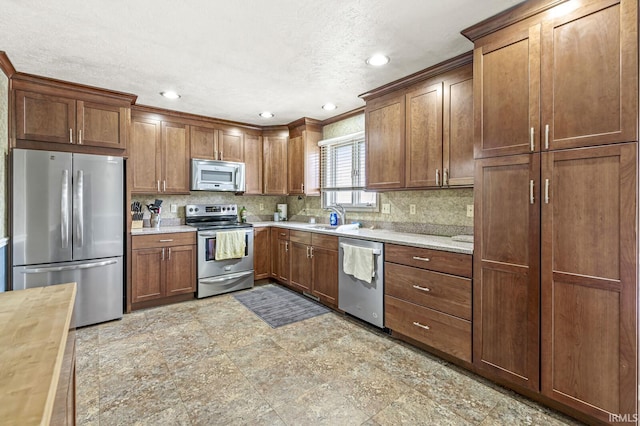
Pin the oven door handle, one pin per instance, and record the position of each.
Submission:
(213, 233)
(226, 277)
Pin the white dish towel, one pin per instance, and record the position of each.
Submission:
(358, 261)
(230, 245)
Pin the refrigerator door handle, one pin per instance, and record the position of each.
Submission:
(64, 209)
(78, 209)
(48, 269)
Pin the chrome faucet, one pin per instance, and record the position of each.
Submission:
(341, 211)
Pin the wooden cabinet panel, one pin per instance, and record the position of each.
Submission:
(300, 275)
(295, 164)
(253, 164)
(590, 75)
(275, 165)
(45, 118)
(181, 270)
(423, 162)
(507, 93)
(443, 332)
(283, 262)
(175, 158)
(325, 274)
(589, 267)
(441, 292)
(147, 274)
(457, 137)
(163, 240)
(302, 237)
(506, 272)
(231, 145)
(435, 260)
(203, 142)
(325, 241)
(102, 125)
(145, 155)
(261, 253)
(385, 139)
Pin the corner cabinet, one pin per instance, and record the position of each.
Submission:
(72, 115)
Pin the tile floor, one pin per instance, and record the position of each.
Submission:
(213, 362)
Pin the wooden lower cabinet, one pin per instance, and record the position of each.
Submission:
(162, 265)
(261, 253)
(280, 254)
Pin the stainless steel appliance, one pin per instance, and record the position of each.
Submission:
(213, 175)
(68, 226)
(359, 298)
(220, 276)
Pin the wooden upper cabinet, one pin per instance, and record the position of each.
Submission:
(589, 74)
(253, 164)
(145, 155)
(204, 142)
(423, 162)
(506, 286)
(457, 137)
(275, 164)
(101, 124)
(589, 279)
(231, 145)
(507, 92)
(385, 142)
(304, 157)
(45, 118)
(175, 158)
(295, 166)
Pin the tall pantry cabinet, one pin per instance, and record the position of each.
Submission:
(556, 214)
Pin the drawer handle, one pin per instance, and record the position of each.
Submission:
(283, 234)
(426, 259)
(417, 287)
(166, 241)
(417, 324)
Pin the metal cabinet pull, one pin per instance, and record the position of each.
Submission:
(417, 287)
(425, 259)
(286, 246)
(302, 187)
(445, 181)
(308, 251)
(162, 254)
(437, 177)
(220, 155)
(312, 252)
(166, 241)
(70, 135)
(546, 191)
(417, 324)
(531, 137)
(158, 186)
(80, 136)
(169, 253)
(531, 198)
(546, 136)
(164, 186)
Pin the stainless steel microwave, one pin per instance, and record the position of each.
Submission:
(213, 175)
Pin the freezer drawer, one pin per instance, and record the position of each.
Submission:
(99, 296)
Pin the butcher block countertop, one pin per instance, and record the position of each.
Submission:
(35, 326)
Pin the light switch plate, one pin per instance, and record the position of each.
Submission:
(174, 208)
(386, 208)
(412, 209)
(261, 206)
(469, 210)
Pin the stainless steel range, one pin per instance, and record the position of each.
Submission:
(220, 276)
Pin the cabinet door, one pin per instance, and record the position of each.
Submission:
(253, 164)
(507, 92)
(311, 162)
(325, 275)
(590, 75)
(147, 274)
(231, 145)
(145, 155)
(175, 158)
(275, 165)
(506, 287)
(457, 129)
(283, 261)
(295, 166)
(102, 125)
(261, 253)
(300, 275)
(45, 118)
(589, 279)
(180, 270)
(424, 136)
(203, 141)
(385, 139)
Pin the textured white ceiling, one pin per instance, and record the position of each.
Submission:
(232, 59)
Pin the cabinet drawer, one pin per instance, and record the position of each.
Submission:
(283, 234)
(163, 240)
(445, 333)
(301, 237)
(434, 260)
(328, 242)
(442, 292)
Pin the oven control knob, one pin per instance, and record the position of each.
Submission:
(190, 209)
(233, 208)
(197, 209)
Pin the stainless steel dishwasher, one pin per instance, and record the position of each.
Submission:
(357, 297)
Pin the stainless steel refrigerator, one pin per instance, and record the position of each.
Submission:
(68, 226)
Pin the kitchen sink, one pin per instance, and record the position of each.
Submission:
(348, 227)
(324, 227)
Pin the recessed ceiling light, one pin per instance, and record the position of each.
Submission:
(329, 106)
(170, 94)
(378, 60)
(266, 114)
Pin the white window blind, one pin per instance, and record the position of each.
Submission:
(342, 163)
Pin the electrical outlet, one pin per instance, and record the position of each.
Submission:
(261, 206)
(174, 208)
(412, 209)
(386, 208)
(469, 210)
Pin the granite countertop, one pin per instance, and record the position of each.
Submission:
(434, 242)
(37, 322)
(163, 230)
